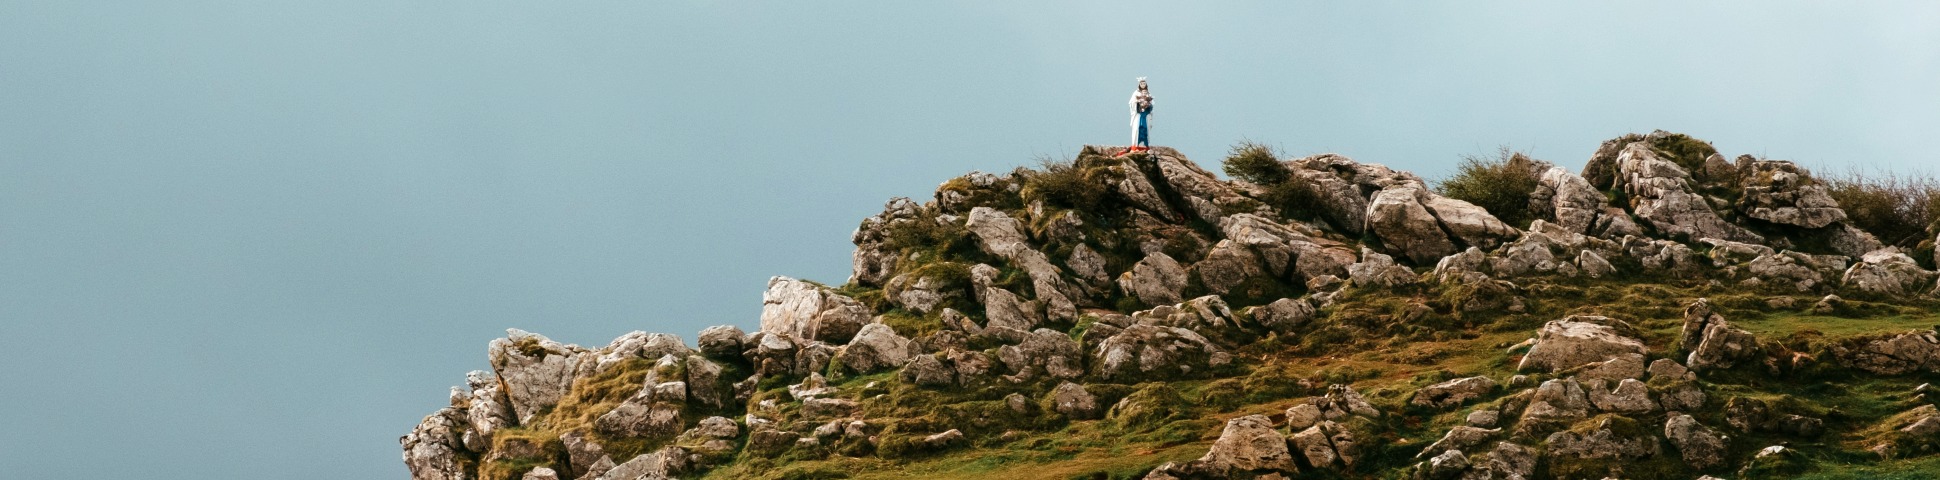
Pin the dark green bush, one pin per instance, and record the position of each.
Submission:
(1896, 208)
(1292, 195)
(1500, 184)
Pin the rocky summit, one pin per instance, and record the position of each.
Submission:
(1664, 313)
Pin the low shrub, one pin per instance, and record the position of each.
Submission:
(1898, 209)
(1292, 195)
(1500, 183)
(1069, 184)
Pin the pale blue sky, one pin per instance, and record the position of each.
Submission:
(260, 239)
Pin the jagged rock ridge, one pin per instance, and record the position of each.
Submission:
(1075, 294)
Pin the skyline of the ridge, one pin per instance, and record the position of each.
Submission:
(242, 240)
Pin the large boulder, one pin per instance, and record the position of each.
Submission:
(1003, 308)
(1043, 352)
(1890, 273)
(1575, 341)
(535, 370)
(1283, 315)
(1594, 447)
(1000, 235)
(486, 409)
(722, 341)
(805, 310)
(1156, 280)
(1227, 265)
(1377, 270)
(1470, 224)
(1895, 355)
(1663, 195)
(876, 347)
(1405, 226)
(1783, 193)
(1249, 444)
(1700, 446)
(1297, 251)
(1143, 351)
(431, 449)
(1714, 343)
(1072, 400)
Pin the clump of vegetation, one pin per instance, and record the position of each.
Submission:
(1898, 209)
(1069, 184)
(1292, 195)
(1500, 183)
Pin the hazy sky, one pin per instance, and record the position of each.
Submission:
(260, 239)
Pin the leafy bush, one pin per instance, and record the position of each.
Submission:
(1292, 195)
(1500, 184)
(1896, 208)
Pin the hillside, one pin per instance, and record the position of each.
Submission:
(1666, 313)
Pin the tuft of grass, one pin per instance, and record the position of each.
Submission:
(1069, 183)
(1500, 183)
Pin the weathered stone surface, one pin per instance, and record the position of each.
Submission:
(1601, 440)
(918, 293)
(640, 417)
(1073, 401)
(1156, 352)
(485, 407)
(1622, 367)
(874, 261)
(1314, 445)
(1156, 280)
(1574, 341)
(1459, 438)
(1227, 265)
(1282, 315)
(1888, 272)
(638, 344)
(1397, 216)
(586, 457)
(535, 370)
(707, 382)
(876, 347)
(431, 449)
(1567, 200)
(1303, 415)
(1629, 396)
(804, 310)
(1896, 355)
(927, 370)
(1377, 270)
(999, 234)
(1593, 265)
(540, 473)
(1717, 343)
(1661, 194)
(1470, 224)
(664, 463)
(1342, 401)
(1447, 465)
(1670, 369)
(1783, 193)
(1044, 352)
(722, 341)
(1250, 444)
(1002, 308)
(1453, 392)
(1700, 446)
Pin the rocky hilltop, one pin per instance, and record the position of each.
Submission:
(1666, 313)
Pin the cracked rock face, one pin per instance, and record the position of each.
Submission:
(804, 310)
(1782, 193)
(1397, 216)
(1662, 194)
(1896, 355)
(1888, 272)
(431, 449)
(1700, 446)
(1156, 280)
(877, 347)
(535, 370)
(1453, 392)
(1575, 341)
(1151, 351)
(1249, 444)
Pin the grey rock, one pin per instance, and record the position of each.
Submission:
(535, 370)
(1575, 341)
(1303, 415)
(1073, 401)
(1250, 444)
(1593, 265)
(1662, 194)
(1667, 368)
(1144, 351)
(1600, 442)
(1783, 193)
(1002, 308)
(540, 473)
(999, 234)
(722, 341)
(431, 449)
(1377, 270)
(1396, 215)
(1717, 343)
(587, 458)
(1156, 280)
(1227, 265)
(1459, 438)
(1283, 315)
(804, 310)
(876, 347)
(1888, 272)
(661, 464)
(1483, 418)
(1700, 446)
(1468, 223)
(1043, 352)
(1453, 392)
(1895, 355)
(1629, 396)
